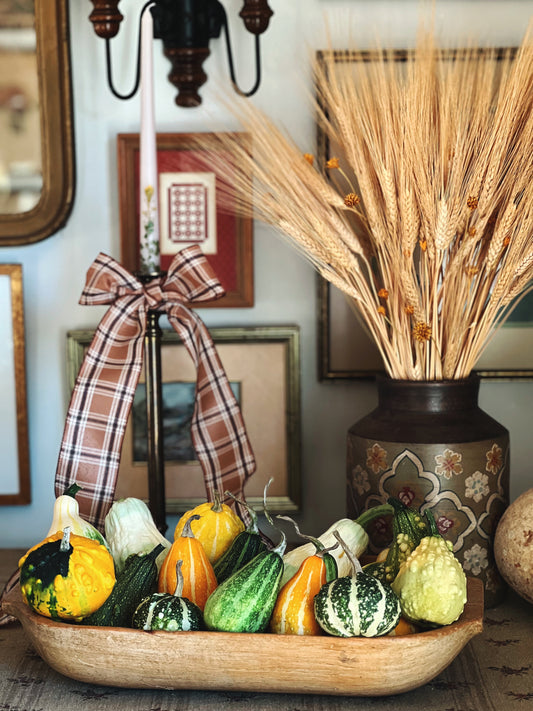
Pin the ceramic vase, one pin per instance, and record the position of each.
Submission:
(429, 444)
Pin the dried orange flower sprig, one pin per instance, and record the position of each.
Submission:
(423, 217)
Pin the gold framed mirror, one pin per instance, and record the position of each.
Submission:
(55, 172)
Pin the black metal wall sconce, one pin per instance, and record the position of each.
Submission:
(185, 27)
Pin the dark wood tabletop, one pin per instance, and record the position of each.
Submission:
(494, 672)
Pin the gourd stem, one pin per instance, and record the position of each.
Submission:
(179, 579)
(217, 503)
(375, 512)
(253, 526)
(432, 524)
(280, 548)
(356, 565)
(72, 490)
(65, 541)
(320, 548)
(187, 529)
(156, 551)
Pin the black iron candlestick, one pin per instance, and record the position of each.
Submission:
(154, 412)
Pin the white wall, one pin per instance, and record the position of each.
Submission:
(54, 270)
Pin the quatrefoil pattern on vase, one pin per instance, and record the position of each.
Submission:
(463, 484)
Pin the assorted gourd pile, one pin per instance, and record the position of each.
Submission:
(221, 575)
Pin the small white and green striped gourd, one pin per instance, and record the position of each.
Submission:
(357, 605)
(168, 612)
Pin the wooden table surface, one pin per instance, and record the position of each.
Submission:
(494, 672)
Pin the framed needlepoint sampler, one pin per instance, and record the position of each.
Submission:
(190, 210)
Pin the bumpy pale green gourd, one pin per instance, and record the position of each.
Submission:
(431, 584)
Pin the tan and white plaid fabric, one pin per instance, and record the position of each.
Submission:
(104, 389)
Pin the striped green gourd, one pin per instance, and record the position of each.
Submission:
(357, 605)
(244, 602)
(167, 611)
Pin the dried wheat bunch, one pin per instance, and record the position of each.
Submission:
(423, 215)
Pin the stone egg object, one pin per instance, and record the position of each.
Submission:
(513, 545)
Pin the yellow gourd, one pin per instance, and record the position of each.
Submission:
(216, 528)
(66, 576)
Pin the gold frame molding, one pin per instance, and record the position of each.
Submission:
(57, 134)
(255, 410)
(14, 273)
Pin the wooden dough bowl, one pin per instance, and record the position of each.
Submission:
(123, 657)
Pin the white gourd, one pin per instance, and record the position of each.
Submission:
(67, 513)
(130, 529)
(352, 534)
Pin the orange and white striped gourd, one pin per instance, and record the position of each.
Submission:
(216, 527)
(294, 609)
(199, 579)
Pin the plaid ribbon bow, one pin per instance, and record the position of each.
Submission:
(106, 383)
(104, 389)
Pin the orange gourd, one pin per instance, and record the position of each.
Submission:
(294, 609)
(199, 579)
(402, 628)
(216, 526)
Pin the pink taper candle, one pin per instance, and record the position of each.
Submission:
(148, 191)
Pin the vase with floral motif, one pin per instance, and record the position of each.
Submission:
(429, 444)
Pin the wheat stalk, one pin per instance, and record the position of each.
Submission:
(424, 214)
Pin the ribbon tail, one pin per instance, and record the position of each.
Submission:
(217, 429)
(99, 408)
(6, 618)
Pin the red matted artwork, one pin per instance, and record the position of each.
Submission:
(190, 210)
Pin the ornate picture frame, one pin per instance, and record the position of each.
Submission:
(15, 472)
(58, 159)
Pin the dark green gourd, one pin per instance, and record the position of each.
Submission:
(408, 529)
(137, 580)
(357, 605)
(168, 612)
(245, 546)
